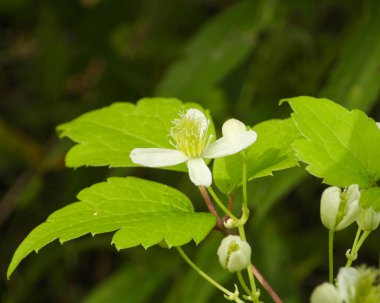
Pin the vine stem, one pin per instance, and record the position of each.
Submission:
(266, 285)
(355, 248)
(352, 252)
(331, 256)
(220, 204)
(243, 284)
(211, 208)
(205, 276)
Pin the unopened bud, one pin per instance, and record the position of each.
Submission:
(340, 209)
(325, 293)
(369, 219)
(234, 253)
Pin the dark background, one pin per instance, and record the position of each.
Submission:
(59, 59)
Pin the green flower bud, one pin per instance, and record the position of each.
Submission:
(325, 293)
(340, 209)
(234, 253)
(369, 219)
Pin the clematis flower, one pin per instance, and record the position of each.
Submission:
(354, 285)
(192, 144)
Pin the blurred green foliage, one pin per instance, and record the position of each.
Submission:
(59, 59)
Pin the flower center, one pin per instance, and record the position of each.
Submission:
(190, 133)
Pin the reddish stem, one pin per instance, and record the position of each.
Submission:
(211, 208)
(266, 285)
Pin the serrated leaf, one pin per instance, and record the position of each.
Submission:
(106, 136)
(140, 211)
(271, 152)
(370, 198)
(339, 145)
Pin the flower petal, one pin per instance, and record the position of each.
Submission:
(157, 157)
(196, 114)
(199, 172)
(229, 145)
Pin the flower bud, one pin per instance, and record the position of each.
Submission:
(369, 219)
(325, 293)
(234, 253)
(340, 209)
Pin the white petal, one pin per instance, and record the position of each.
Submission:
(353, 193)
(193, 113)
(230, 145)
(199, 172)
(346, 281)
(352, 213)
(157, 157)
(329, 208)
(232, 127)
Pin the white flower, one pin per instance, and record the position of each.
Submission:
(358, 285)
(192, 144)
(369, 219)
(325, 293)
(340, 209)
(234, 253)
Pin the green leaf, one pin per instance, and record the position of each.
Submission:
(370, 198)
(217, 49)
(339, 145)
(271, 152)
(106, 136)
(141, 212)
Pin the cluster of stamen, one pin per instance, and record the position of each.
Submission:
(189, 134)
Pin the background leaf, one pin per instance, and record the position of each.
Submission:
(340, 146)
(141, 212)
(271, 151)
(106, 136)
(218, 48)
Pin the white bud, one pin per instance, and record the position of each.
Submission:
(340, 209)
(369, 219)
(232, 127)
(234, 253)
(325, 293)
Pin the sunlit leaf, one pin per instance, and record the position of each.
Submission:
(106, 136)
(339, 145)
(139, 211)
(271, 152)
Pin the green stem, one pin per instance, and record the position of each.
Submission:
(243, 284)
(352, 255)
(244, 168)
(220, 204)
(331, 256)
(205, 276)
(249, 271)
